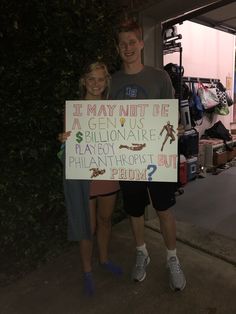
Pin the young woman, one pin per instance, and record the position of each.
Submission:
(90, 203)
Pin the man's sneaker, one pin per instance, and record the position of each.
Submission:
(176, 275)
(139, 270)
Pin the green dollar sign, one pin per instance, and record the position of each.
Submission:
(79, 136)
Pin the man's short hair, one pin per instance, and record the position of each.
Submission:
(129, 26)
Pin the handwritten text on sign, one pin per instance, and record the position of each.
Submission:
(122, 140)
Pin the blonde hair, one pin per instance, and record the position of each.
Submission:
(91, 67)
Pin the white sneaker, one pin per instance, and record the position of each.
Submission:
(176, 276)
(139, 270)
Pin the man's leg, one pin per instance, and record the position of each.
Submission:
(137, 225)
(163, 197)
(168, 229)
(135, 199)
(142, 257)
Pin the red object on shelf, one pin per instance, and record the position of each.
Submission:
(183, 173)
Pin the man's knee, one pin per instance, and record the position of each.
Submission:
(164, 214)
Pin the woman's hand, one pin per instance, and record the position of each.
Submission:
(62, 137)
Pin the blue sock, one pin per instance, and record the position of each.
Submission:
(89, 284)
(116, 270)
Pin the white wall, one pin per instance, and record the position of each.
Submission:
(206, 53)
(152, 37)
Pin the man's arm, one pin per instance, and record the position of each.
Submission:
(167, 91)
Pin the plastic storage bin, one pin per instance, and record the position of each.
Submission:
(191, 168)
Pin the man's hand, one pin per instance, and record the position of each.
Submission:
(180, 130)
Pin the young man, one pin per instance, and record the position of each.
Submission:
(136, 81)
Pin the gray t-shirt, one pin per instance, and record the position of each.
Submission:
(150, 83)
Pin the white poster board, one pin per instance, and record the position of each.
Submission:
(134, 140)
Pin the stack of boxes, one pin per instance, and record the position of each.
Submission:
(214, 153)
(233, 128)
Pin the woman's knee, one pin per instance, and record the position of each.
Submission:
(104, 221)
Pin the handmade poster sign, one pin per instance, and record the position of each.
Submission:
(134, 140)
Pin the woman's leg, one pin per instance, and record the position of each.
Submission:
(86, 251)
(105, 208)
(86, 246)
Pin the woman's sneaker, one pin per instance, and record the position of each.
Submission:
(114, 269)
(89, 286)
(176, 276)
(139, 270)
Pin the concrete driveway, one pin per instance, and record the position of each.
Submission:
(56, 288)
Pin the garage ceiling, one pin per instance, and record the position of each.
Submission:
(220, 15)
(217, 14)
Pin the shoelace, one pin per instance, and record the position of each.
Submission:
(140, 260)
(174, 266)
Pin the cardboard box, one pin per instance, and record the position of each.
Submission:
(233, 127)
(201, 155)
(231, 154)
(220, 158)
